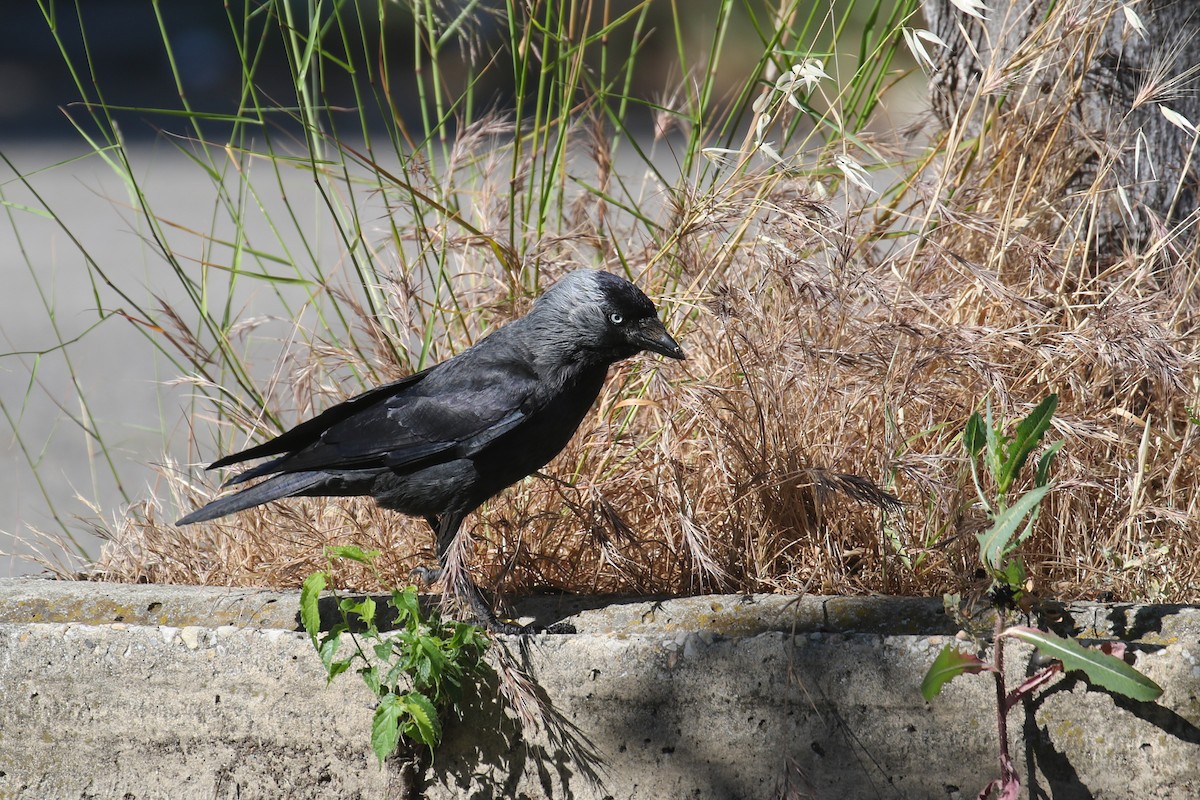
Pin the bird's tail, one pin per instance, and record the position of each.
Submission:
(286, 485)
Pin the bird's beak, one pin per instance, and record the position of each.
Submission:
(651, 335)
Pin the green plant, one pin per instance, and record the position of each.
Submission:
(1003, 457)
(418, 671)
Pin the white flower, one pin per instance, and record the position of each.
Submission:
(1124, 198)
(767, 149)
(974, 8)
(914, 37)
(810, 72)
(1178, 120)
(1142, 146)
(1133, 20)
(720, 155)
(854, 172)
(760, 127)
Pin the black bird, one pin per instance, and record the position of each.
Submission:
(439, 443)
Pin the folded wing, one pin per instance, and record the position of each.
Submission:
(447, 412)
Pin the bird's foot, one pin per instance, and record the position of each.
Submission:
(425, 576)
(483, 612)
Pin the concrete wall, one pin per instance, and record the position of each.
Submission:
(180, 692)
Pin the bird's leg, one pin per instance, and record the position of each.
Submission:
(459, 583)
(451, 566)
(428, 576)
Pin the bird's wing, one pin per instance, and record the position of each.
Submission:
(309, 431)
(457, 409)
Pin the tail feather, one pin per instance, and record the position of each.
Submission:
(286, 485)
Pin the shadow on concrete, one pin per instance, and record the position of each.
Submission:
(1060, 777)
(707, 731)
(541, 612)
(656, 721)
(494, 765)
(1133, 622)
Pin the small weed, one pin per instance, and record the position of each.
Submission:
(1003, 458)
(418, 671)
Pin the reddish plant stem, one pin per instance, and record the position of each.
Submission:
(1001, 691)
(1010, 783)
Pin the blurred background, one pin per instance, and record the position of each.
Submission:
(124, 38)
(126, 49)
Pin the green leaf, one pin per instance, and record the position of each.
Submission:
(433, 651)
(994, 542)
(395, 674)
(422, 724)
(364, 609)
(385, 726)
(328, 648)
(1014, 575)
(1042, 476)
(952, 603)
(421, 669)
(1029, 433)
(310, 615)
(949, 664)
(469, 638)
(370, 676)
(407, 605)
(1101, 669)
(974, 437)
(336, 668)
(351, 553)
(993, 455)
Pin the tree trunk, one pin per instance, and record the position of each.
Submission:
(1089, 89)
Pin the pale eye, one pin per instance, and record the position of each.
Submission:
(615, 318)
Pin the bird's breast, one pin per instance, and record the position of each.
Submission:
(551, 422)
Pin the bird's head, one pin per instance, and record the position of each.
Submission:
(605, 314)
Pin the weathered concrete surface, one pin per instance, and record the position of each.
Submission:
(713, 697)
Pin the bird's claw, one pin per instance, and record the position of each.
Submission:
(483, 612)
(425, 576)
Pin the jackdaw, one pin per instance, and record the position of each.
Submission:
(439, 443)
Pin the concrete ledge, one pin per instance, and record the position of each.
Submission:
(180, 692)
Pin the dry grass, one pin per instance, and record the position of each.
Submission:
(836, 343)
